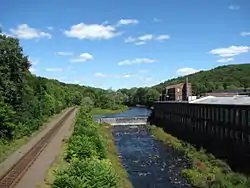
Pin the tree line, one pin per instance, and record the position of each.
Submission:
(26, 100)
(220, 78)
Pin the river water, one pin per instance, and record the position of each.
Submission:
(149, 163)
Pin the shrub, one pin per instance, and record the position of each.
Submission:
(88, 173)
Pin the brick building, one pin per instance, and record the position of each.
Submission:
(177, 92)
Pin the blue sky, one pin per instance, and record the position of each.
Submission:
(129, 43)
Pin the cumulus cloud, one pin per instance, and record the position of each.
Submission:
(98, 74)
(140, 40)
(136, 61)
(64, 53)
(234, 7)
(224, 60)
(186, 71)
(91, 31)
(244, 34)
(145, 37)
(230, 51)
(23, 31)
(127, 21)
(82, 58)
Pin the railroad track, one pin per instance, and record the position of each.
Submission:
(16, 172)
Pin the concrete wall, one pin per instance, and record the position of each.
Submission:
(221, 129)
(124, 120)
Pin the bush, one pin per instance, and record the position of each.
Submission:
(86, 153)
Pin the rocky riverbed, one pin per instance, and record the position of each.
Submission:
(149, 163)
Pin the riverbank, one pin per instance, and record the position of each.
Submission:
(90, 158)
(204, 171)
(106, 131)
(100, 111)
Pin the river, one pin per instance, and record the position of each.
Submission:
(149, 163)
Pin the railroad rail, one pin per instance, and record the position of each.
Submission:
(17, 171)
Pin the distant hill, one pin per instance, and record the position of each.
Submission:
(222, 77)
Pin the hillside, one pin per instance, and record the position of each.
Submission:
(222, 77)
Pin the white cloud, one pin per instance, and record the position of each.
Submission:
(50, 28)
(136, 61)
(140, 40)
(130, 39)
(64, 53)
(91, 31)
(124, 76)
(98, 74)
(145, 37)
(127, 76)
(32, 70)
(234, 7)
(76, 81)
(23, 31)
(186, 71)
(224, 60)
(140, 43)
(244, 34)
(162, 37)
(127, 21)
(82, 58)
(230, 51)
(33, 61)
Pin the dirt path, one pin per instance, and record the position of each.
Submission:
(37, 171)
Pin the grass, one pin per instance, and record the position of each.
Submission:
(7, 148)
(205, 171)
(105, 130)
(100, 111)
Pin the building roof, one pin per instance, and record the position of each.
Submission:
(237, 100)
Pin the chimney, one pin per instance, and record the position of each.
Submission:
(187, 93)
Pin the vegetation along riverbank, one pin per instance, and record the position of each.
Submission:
(91, 157)
(101, 111)
(205, 171)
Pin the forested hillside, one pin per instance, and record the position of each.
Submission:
(223, 77)
(26, 100)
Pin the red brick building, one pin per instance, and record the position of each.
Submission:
(177, 92)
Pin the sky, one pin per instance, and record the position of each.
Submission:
(133, 43)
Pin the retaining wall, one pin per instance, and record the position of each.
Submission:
(222, 129)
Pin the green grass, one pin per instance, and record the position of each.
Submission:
(100, 111)
(105, 130)
(206, 171)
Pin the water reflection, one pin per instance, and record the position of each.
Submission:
(133, 111)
